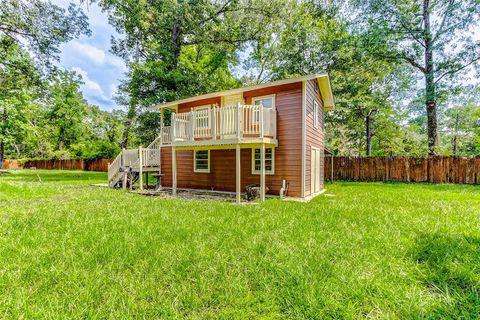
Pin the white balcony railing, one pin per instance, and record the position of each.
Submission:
(240, 121)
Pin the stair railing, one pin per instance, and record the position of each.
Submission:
(114, 167)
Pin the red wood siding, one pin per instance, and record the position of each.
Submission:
(314, 136)
(185, 107)
(288, 159)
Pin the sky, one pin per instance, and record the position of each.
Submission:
(90, 57)
(101, 70)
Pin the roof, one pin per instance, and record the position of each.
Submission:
(323, 83)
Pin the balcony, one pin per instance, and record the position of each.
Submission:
(222, 126)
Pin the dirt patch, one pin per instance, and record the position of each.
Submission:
(191, 194)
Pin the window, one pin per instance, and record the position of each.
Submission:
(202, 116)
(201, 161)
(268, 102)
(316, 114)
(269, 161)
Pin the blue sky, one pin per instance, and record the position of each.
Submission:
(90, 57)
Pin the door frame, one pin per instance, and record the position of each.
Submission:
(314, 170)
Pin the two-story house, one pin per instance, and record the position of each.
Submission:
(270, 134)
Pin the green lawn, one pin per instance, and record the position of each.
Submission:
(362, 250)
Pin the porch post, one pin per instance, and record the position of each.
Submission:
(140, 162)
(238, 184)
(161, 125)
(125, 177)
(238, 118)
(174, 171)
(162, 118)
(261, 115)
(262, 172)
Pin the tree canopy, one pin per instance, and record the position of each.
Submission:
(401, 70)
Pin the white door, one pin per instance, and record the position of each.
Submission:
(315, 170)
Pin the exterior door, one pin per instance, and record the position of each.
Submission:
(315, 170)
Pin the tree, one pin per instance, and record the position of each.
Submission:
(40, 27)
(460, 123)
(30, 34)
(317, 38)
(433, 37)
(17, 77)
(67, 109)
(181, 48)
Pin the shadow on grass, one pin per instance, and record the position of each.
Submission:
(54, 176)
(450, 269)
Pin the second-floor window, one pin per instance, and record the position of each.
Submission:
(316, 114)
(267, 102)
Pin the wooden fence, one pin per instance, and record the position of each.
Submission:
(437, 169)
(86, 165)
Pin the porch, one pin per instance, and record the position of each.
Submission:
(230, 125)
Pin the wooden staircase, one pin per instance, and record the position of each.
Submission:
(129, 164)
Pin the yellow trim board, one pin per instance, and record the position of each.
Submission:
(227, 146)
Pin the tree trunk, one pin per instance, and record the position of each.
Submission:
(368, 133)
(454, 140)
(430, 86)
(454, 144)
(128, 123)
(176, 46)
(2, 143)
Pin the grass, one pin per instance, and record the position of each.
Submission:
(363, 250)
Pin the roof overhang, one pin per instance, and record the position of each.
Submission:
(323, 84)
(325, 87)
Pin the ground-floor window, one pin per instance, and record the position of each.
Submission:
(269, 161)
(201, 161)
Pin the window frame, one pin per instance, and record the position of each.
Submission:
(267, 172)
(256, 116)
(272, 96)
(316, 114)
(195, 162)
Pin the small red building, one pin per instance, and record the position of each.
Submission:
(270, 134)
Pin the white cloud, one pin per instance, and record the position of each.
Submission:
(93, 53)
(117, 63)
(92, 87)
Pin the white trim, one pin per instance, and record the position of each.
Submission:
(238, 166)
(256, 115)
(273, 96)
(195, 162)
(312, 176)
(304, 137)
(241, 90)
(257, 172)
